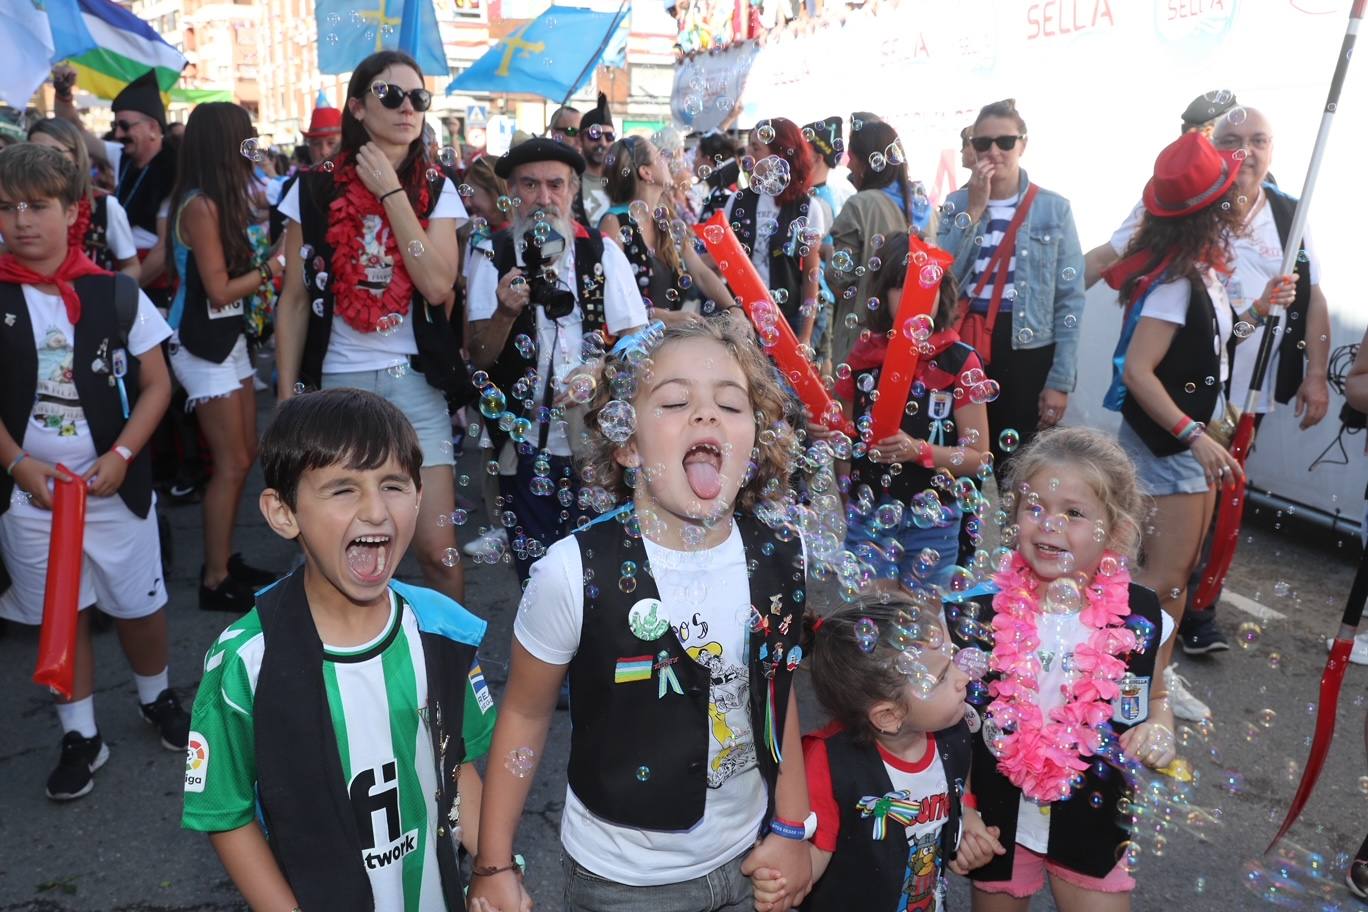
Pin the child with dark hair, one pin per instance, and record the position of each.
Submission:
(377, 678)
(82, 386)
(886, 777)
(905, 521)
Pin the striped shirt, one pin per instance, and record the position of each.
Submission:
(1000, 214)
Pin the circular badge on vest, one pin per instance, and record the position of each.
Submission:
(647, 620)
(972, 719)
(992, 736)
(795, 657)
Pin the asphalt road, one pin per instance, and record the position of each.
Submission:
(122, 848)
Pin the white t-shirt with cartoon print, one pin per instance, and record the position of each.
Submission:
(57, 431)
(706, 597)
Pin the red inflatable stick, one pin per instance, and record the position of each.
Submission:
(925, 268)
(777, 339)
(57, 642)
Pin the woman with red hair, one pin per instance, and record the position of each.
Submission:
(772, 219)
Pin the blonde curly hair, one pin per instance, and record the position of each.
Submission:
(1106, 468)
(772, 457)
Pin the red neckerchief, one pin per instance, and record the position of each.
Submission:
(1142, 263)
(76, 265)
(352, 302)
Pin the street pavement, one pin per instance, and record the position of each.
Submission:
(121, 847)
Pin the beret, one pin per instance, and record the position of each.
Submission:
(538, 149)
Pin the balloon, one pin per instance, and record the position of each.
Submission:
(57, 643)
(900, 364)
(778, 339)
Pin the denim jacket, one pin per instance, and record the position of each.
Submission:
(1048, 306)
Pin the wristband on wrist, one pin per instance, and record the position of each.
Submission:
(125, 453)
(391, 193)
(9, 469)
(1187, 430)
(800, 832)
(969, 801)
(491, 870)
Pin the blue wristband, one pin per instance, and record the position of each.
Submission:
(788, 830)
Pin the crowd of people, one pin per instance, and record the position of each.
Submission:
(663, 495)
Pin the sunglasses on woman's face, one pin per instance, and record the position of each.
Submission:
(392, 96)
(984, 143)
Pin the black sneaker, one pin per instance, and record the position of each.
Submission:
(244, 572)
(172, 722)
(75, 772)
(228, 595)
(182, 492)
(1199, 634)
(1357, 878)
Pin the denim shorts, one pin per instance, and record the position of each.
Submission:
(1161, 476)
(423, 405)
(724, 890)
(944, 539)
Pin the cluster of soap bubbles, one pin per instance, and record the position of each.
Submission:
(770, 176)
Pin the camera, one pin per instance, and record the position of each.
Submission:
(541, 246)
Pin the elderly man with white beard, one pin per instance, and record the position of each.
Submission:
(549, 283)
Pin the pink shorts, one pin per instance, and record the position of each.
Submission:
(1028, 877)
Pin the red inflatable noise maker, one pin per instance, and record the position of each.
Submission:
(776, 336)
(926, 265)
(61, 601)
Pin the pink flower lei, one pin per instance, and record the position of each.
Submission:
(1042, 757)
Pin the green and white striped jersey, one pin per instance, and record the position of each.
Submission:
(378, 696)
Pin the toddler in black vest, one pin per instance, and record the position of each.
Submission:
(886, 776)
(908, 486)
(1073, 699)
(677, 618)
(82, 386)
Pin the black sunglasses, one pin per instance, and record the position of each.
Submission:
(571, 132)
(392, 96)
(984, 143)
(126, 125)
(595, 133)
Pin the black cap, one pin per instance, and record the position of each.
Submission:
(826, 139)
(144, 96)
(600, 116)
(537, 149)
(1208, 106)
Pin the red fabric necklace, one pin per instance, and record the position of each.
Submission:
(361, 308)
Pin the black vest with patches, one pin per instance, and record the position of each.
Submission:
(865, 873)
(98, 335)
(1084, 836)
(786, 272)
(638, 759)
(438, 358)
(1291, 347)
(515, 371)
(199, 333)
(914, 477)
(141, 191)
(1190, 361)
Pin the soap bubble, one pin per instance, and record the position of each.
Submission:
(617, 421)
(451, 557)
(973, 662)
(251, 149)
(1009, 440)
(520, 761)
(866, 634)
(1248, 634)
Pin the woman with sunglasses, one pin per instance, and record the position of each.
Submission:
(101, 225)
(217, 246)
(774, 220)
(641, 220)
(1020, 270)
(371, 261)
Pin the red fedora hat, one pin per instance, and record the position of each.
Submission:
(1189, 175)
(324, 122)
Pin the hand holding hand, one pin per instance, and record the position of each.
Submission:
(791, 860)
(1152, 743)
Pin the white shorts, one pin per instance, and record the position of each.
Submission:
(206, 380)
(122, 570)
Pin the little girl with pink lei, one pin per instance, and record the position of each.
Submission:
(1074, 686)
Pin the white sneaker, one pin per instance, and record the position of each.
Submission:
(1185, 706)
(495, 539)
(1359, 654)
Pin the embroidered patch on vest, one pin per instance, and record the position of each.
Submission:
(1131, 705)
(632, 668)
